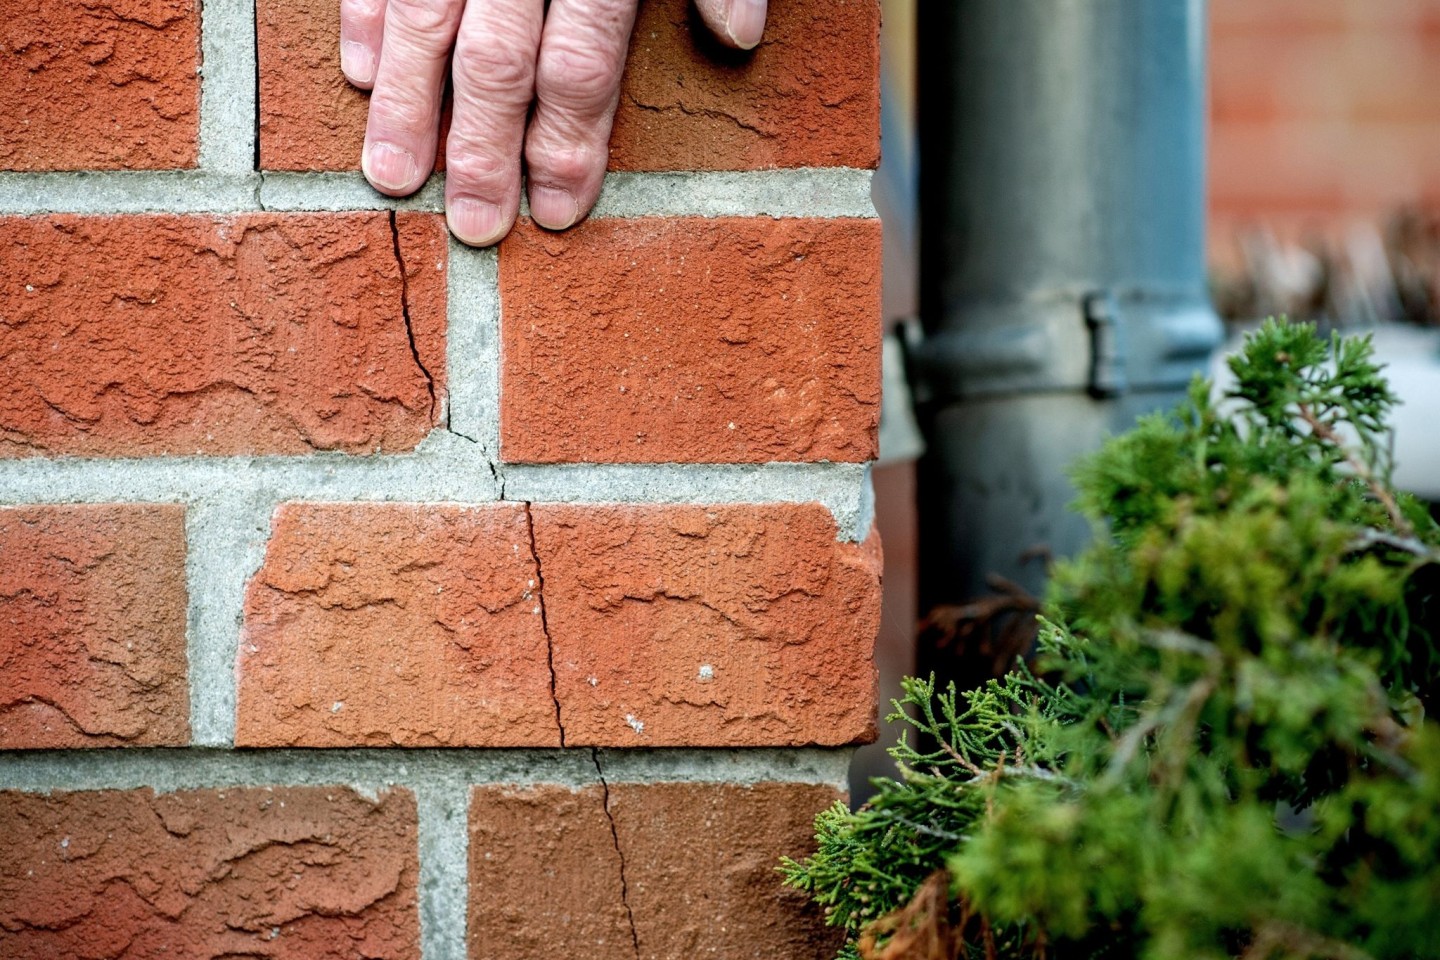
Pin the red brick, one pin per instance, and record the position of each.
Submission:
(310, 116)
(544, 876)
(309, 873)
(701, 340)
(92, 626)
(692, 863)
(722, 626)
(99, 86)
(700, 868)
(807, 97)
(261, 333)
(396, 624)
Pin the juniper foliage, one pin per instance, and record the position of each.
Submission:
(1222, 749)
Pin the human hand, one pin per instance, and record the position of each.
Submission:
(508, 54)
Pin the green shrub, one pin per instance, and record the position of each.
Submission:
(1221, 749)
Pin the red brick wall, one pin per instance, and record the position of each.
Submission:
(296, 491)
(1323, 112)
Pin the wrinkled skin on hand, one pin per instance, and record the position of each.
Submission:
(503, 56)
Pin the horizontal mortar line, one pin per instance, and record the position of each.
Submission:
(440, 476)
(415, 477)
(808, 192)
(368, 769)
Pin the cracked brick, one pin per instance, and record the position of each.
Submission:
(701, 863)
(544, 625)
(634, 871)
(383, 624)
(619, 853)
(545, 875)
(709, 626)
(257, 333)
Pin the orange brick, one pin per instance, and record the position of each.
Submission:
(738, 625)
(99, 86)
(807, 97)
(291, 873)
(92, 626)
(396, 624)
(261, 333)
(654, 340)
(688, 871)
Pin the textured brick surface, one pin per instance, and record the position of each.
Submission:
(109, 84)
(92, 626)
(688, 867)
(687, 339)
(545, 876)
(311, 873)
(262, 333)
(737, 625)
(310, 116)
(808, 97)
(700, 853)
(396, 624)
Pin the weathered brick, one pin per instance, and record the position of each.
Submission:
(654, 871)
(396, 624)
(310, 116)
(807, 97)
(695, 852)
(737, 625)
(260, 333)
(107, 85)
(92, 626)
(310, 873)
(687, 339)
(545, 876)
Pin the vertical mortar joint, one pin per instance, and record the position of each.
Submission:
(255, 65)
(544, 623)
(405, 313)
(619, 854)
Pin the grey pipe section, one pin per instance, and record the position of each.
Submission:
(1063, 282)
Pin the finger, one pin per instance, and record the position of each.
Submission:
(404, 121)
(736, 23)
(577, 85)
(362, 25)
(494, 79)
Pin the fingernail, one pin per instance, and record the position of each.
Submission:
(553, 208)
(389, 167)
(475, 222)
(746, 23)
(357, 62)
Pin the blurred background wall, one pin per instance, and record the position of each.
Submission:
(1324, 114)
